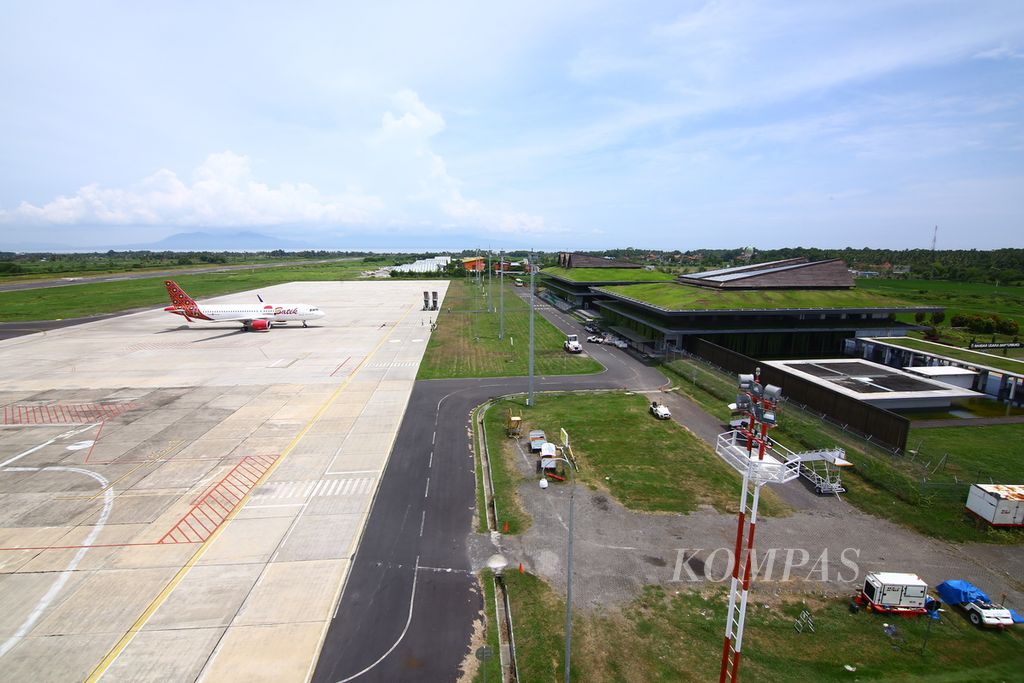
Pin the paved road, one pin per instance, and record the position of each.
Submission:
(66, 282)
(18, 329)
(408, 608)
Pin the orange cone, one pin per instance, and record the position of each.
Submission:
(504, 528)
(520, 567)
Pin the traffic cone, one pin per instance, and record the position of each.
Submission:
(520, 567)
(504, 528)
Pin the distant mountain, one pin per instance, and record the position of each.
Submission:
(220, 241)
(399, 239)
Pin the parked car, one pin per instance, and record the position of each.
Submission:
(979, 607)
(591, 328)
(660, 411)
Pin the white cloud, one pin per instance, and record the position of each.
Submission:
(404, 141)
(410, 185)
(1001, 52)
(223, 193)
(414, 117)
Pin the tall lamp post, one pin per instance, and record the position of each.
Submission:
(501, 294)
(533, 269)
(568, 567)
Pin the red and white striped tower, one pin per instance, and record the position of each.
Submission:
(760, 418)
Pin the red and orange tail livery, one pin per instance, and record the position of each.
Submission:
(178, 295)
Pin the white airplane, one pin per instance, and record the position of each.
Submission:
(256, 318)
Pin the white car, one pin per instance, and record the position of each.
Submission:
(987, 614)
(660, 411)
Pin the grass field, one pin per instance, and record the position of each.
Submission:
(675, 297)
(675, 636)
(491, 669)
(609, 274)
(968, 298)
(879, 483)
(466, 344)
(76, 301)
(646, 464)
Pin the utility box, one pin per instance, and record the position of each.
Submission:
(537, 439)
(895, 592)
(998, 504)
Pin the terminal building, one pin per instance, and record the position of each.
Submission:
(780, 309)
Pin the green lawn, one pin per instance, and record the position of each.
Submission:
(879, 483)
(466, 344)
(676, 297)
(988, 358)
(646, 464)
(674, 636)
(994, 451)
(108, 297)
(968, 298)
(491, 669)
(582, 275)
(511, 518)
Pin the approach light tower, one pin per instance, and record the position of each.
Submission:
(752, 458)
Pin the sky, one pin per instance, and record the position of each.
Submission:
(548, 125)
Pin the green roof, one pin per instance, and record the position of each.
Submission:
(598, 275)
(676, 297)
(956, 353)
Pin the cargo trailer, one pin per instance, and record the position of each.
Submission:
(1000, 505)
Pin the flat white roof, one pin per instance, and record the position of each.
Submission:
(869, 382)
(940, 371)
(899, 578)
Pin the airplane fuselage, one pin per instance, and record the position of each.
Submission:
(243, 312)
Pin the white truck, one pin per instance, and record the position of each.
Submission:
(572, 344)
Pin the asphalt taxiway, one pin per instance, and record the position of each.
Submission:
(409, 606)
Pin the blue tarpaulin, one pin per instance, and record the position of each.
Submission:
(956, 591)
(1017, 619)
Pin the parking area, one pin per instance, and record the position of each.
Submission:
(182, 501)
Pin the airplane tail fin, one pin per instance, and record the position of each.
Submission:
(178, 295)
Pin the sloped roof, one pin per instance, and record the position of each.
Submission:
(567, 260)
(783, 274)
